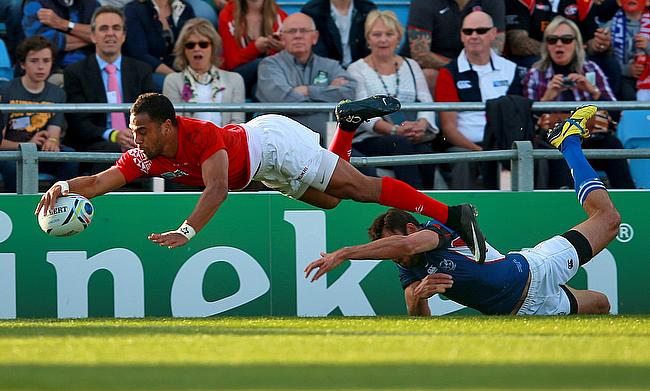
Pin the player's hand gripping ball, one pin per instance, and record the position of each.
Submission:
(71, 215)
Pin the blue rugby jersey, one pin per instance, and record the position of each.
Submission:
(492, 288)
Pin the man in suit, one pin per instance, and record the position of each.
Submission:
(106, 77)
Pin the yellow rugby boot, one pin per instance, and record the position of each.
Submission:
(575, 124)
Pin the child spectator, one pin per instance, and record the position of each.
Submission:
(35, 56)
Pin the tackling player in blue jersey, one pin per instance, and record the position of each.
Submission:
(433, 259)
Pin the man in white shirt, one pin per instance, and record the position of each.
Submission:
(477, 74)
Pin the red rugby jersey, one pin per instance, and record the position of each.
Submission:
(197, 141)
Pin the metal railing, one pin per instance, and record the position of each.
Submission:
(308, 107)
(521, 157)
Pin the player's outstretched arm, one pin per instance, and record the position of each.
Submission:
(391, 247)
(215, 176)
(87, 186)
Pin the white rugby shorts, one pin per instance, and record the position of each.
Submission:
(553, 262)
(288, 155)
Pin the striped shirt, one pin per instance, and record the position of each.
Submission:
(536, 82)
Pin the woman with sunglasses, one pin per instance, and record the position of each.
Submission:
(564, 74)
(198, 56)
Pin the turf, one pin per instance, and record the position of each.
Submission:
(462, 353)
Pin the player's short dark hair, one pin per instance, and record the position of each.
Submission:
(157, 106)
(392, 220)
(107, 9)
(34, 43)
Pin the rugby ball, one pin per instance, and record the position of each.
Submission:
(71, 215)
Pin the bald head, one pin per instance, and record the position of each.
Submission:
(299, 35)
(300, 19)
(478, 35)
(478, 18)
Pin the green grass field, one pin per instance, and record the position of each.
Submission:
(462, 353)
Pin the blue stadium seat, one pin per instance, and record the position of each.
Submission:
(634, 132)
(6, 71)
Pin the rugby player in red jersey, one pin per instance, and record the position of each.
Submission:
(276, 150)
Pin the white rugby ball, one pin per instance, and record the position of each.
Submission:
(71, 215)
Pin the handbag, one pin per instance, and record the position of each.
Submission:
(600, 123)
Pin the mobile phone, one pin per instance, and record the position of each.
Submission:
(276, 35)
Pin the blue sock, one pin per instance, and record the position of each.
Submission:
(585, 178)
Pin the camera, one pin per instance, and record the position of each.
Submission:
(568, 83)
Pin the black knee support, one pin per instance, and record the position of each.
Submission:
(581, 244)
(573, 302)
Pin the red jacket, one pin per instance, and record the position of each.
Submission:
(237, 53)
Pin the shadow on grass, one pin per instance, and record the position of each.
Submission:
(308, 376)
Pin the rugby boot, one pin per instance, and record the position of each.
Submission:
(575, 124)
(471, 233)
(351, 114)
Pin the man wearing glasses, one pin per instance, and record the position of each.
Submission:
(106, 77)
(296, 74)
(476, 75)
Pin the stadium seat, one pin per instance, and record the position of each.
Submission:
(6, 71)
(634, 132)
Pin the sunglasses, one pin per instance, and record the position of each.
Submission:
(203, 45)
(479, 30)
(566, 39)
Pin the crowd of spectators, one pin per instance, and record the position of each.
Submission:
(232, 51)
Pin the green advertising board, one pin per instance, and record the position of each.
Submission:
(249, 259)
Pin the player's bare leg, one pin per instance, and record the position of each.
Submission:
(590, 302)
(592, 235)
(348, 183)
(603, 219)
(602, 225)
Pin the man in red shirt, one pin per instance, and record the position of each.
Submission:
(274, 149)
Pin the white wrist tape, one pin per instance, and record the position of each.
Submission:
(186, 230)
(65, 188)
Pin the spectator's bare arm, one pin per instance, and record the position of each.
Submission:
(53, 141)
(49, 18)
(73, 43)
(420, 45)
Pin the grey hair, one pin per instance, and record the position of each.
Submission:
(107, 9)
